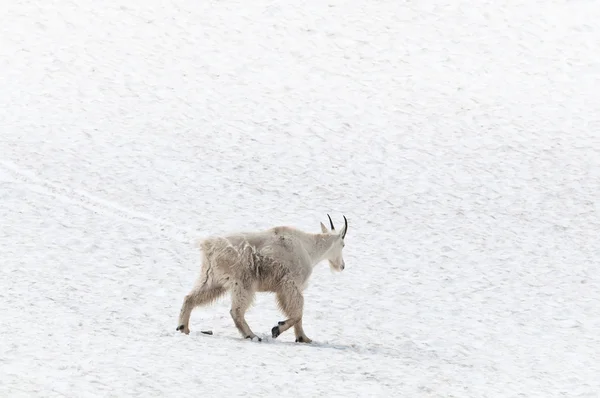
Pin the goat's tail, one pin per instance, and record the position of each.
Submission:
(206, 245)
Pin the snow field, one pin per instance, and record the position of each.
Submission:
(460, 140)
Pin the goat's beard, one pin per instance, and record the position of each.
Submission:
(333, 268)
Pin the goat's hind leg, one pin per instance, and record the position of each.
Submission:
(201, 294)
(241, 299)
(291, 302)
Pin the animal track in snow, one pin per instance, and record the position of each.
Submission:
(90, 202)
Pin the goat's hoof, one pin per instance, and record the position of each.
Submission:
(183, 329)
(254, 338)
(275, 332)
(303, 339)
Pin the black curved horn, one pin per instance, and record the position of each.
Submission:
(345, 227)
(331, 223)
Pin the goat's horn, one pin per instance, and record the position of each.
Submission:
(331, 222)
(345, 227)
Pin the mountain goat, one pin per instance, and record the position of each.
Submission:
(279, 260)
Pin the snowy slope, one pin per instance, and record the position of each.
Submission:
(461, 139)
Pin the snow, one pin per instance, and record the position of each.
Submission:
(461, 139)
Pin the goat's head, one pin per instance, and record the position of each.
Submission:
(334, 256)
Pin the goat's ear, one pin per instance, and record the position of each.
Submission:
(324, 229)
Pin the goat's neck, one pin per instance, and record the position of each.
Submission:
(319, 246)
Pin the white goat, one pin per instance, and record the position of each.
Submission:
(279, 260)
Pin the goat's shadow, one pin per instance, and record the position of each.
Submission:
(406, 351)
(315, 344)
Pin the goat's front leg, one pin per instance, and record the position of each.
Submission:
(291, 302)
(241, 298)
(300, 336)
